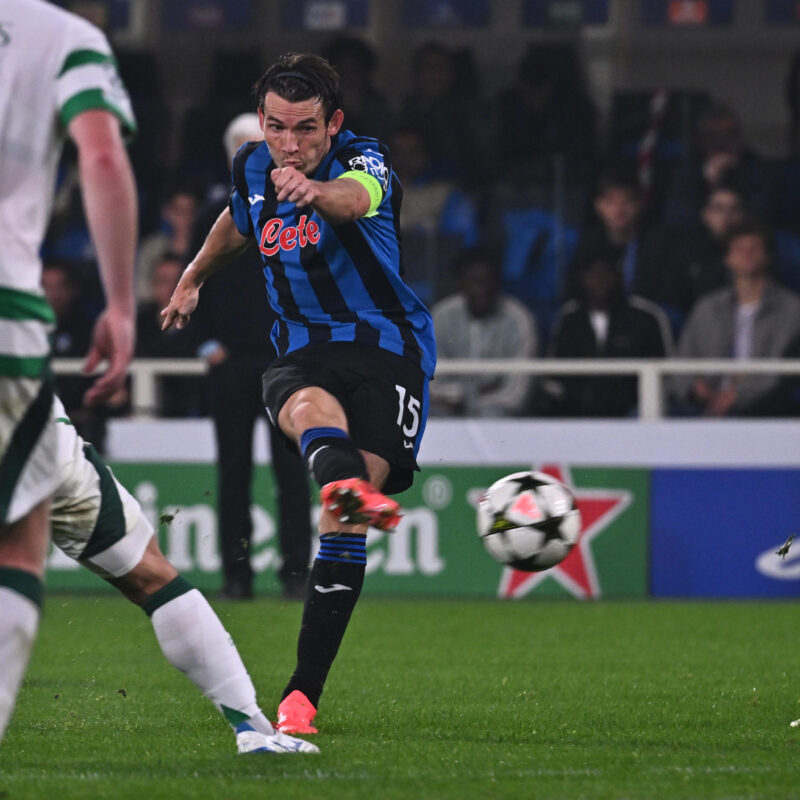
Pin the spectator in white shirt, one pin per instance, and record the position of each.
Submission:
(477, 322)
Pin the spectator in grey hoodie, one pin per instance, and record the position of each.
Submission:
(752, 318)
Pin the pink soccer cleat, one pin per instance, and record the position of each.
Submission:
(355, 501)
(295, 714)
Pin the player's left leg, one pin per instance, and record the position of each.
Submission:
(96, 521)
(193, 640)
(27, 479)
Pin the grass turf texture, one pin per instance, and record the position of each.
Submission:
(436, 699)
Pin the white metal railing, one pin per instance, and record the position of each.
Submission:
(650, 373)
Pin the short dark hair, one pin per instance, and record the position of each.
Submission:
(752, 227)
(301, 76)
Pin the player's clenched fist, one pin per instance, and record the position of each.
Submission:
(293, 186)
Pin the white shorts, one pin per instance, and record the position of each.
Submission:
(28, 472)
(95, 520)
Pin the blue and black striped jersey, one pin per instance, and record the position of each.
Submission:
(326, 282)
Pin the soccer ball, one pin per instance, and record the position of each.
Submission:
(528, 521)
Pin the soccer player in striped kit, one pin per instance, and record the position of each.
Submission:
(355, 345)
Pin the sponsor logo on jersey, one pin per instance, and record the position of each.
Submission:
(372, 165)
(277, 236)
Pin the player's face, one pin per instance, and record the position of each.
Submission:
(296, 133)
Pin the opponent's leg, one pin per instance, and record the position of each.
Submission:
(118, 543)
(193, 640)
(23, 545)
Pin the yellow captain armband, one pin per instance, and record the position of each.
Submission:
(371, 184)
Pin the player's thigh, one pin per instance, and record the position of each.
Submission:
(387, 416)
(310, 407)
(27, 446)
(305, 389)
(95, 520)
(24, 542)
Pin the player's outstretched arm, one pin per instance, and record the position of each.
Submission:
(338, 201)
(109, 196)
(223, 243)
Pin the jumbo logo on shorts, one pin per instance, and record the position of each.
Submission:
(274, 236)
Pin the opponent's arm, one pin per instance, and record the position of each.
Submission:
(109, 196)
(223, 243)
(337, 201)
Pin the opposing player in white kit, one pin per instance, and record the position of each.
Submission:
(99, 524)
(57, 79)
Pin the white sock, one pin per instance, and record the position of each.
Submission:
(194, 641)
(19, 620)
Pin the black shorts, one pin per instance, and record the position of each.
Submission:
(384, 396)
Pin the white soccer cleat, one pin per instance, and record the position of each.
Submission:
(795, 724)
(249, 740)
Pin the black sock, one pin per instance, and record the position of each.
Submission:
(331, 455)
(334, 585)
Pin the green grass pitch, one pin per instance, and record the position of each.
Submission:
(428, 699)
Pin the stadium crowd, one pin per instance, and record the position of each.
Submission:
(529, 230)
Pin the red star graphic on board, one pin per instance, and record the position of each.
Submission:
(577, 572)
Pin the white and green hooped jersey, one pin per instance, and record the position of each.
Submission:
(53, 66)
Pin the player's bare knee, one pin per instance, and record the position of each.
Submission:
(152, 573)
(310, 408)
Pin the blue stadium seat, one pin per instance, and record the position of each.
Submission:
(538, 248)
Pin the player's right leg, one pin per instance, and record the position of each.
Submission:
(97, 522)
(27, 478)
(315, 420)
(22, 548)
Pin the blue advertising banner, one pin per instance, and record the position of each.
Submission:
(716, 533)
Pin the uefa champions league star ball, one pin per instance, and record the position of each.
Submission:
(528, 521)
